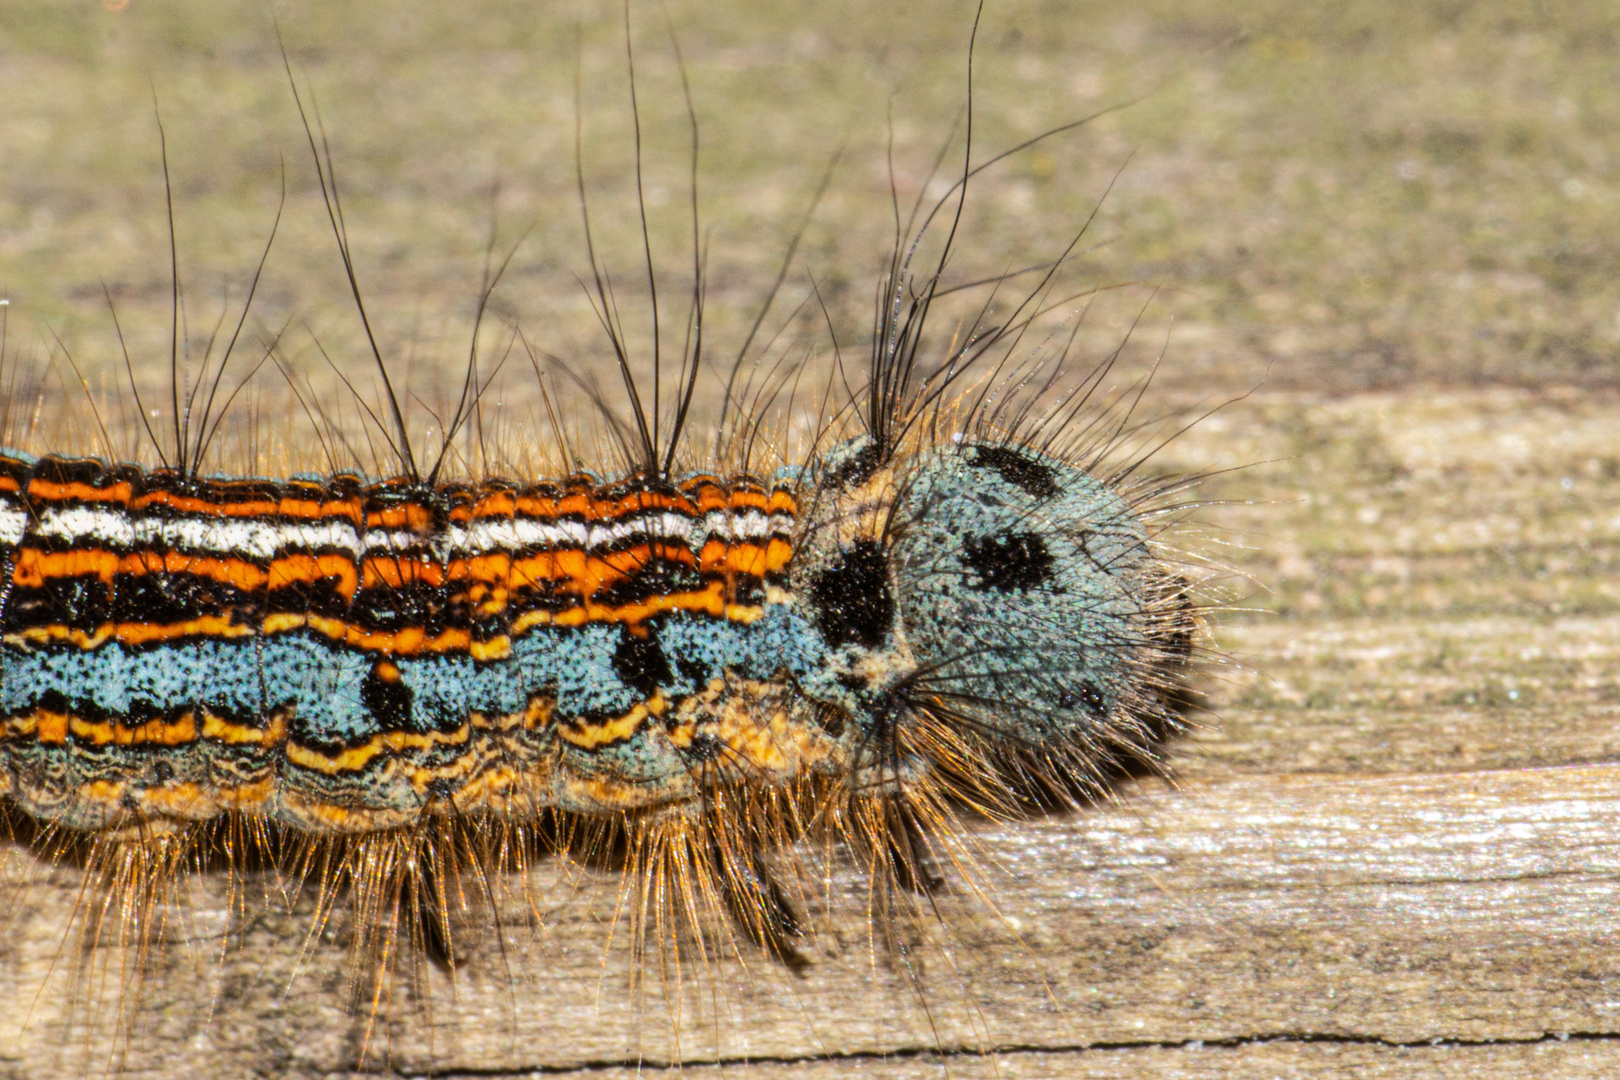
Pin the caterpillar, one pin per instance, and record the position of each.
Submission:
(699, 661)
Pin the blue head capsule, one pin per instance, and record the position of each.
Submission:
(984, 598)
(1028, 594)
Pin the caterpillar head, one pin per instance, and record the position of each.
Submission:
(1030, 596)
(1008, 600)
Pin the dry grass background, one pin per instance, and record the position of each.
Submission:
(1394, 226)
(1361, 198)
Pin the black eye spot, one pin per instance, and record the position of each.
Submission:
(1012, 561)
(1019, 470)
(387, 697)
(851, 599)
(641, 664)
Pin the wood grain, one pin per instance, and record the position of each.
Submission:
(1391, 851)
(1381, 912)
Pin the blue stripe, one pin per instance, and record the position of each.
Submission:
(322, 680)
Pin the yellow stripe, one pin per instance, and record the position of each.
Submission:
(590, 736)
(356, 758)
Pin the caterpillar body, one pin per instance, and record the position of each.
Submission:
(331, 656)
(345, 657)
(956, 600)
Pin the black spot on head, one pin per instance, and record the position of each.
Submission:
(1012, 561)
(1018, 469)
(851, 598)
(387, 697)
(641, 664)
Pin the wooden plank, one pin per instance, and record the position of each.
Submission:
(1374, 846)
(1473, 908)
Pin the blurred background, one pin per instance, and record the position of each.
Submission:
(1362, 196)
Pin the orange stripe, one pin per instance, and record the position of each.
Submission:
(496, 504)
(308, 569)
(240, 573)
(396, 572)
(411, 516)
(492, 569)
(35, 567)
(585, 572)
(698, 499)
(314, 510)
(698, 495)
(53, 727)
(52, 492)
(220, 626)
(192, 505)
(578, 571)
(154, 732)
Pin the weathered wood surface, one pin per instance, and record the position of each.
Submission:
(1393, 851)
(1351, 917)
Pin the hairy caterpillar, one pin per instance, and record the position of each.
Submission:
(951, 598)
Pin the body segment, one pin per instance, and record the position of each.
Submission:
(344, 656)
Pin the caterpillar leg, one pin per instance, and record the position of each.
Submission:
(757, 902)
(430, 913)
(907, 849)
